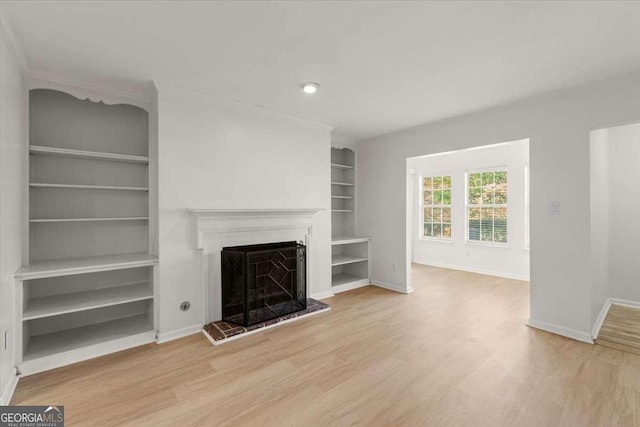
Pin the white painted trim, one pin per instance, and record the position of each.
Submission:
(389, 286)
(178, 333)
(349, 286)
(9, 36)
(600, 319)
(625, 302)
(475, 270)
(95, 91)
(235, 337)
(323, 295)
(561, 330)
(8, 391)
(235, 105)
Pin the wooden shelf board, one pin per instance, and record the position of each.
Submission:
(345, 259)
(85, 336)
(65, 267)
(345, 240)
(341, 183)
(342, 210)
(130, 218)
(87, 187)
(80, 301)
(348, 281)
(340, 166)
(65, 152)
(341, 197)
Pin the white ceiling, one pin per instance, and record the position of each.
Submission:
(383, 66)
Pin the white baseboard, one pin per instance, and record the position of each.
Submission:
(179, 333)
(475, 270)
(391, 287)
(323, 295)
(625, 302)
(7, 393)
(561, 330)
(600, 319)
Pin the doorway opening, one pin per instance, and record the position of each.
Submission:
(469, 210)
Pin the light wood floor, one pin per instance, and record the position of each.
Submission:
(621, 329)
(456, 352)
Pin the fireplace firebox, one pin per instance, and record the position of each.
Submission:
(263, 282)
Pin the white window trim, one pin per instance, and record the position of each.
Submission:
(527, 207)
(421, 235)
(482, 243)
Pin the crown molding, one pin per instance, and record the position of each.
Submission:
(9, 36)
(90, 89)
(236, 105)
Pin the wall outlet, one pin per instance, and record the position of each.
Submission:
(554, 208)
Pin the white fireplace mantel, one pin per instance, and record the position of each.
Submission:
(217, 228)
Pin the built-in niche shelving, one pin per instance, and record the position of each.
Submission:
(349, 253)
(89, 285)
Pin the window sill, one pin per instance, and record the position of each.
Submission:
(488, 245)
(436, 240)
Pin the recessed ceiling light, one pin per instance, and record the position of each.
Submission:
(309, 87)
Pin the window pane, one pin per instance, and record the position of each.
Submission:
(446, 182)
(437, 230)
(486, 224)
(475, 196)
(428, 197)
(446, 230)
(446, 197)
(500, 225)
(446, 214)
(501, 198)
(501, 177)
(428, 230)
(427, 184)
(475, 180)
(474, 229)
(487, 178)
(437, 182)
(474, 213)
(487, 231)
(437, 197)
(487, 195)
(428, 215)
(437, 215)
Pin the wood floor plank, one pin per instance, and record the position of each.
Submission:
(456, 352)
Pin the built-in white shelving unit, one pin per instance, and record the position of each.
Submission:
(89, 286)
(349, 253)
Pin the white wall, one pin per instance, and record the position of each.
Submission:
(215, 157)
(11, 148)
(511, 260)
(558, 126)
(600, 220)
(624, 199)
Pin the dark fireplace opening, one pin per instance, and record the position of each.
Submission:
(263, 282)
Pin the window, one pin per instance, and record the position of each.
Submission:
(436, 219)
(487, 206)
